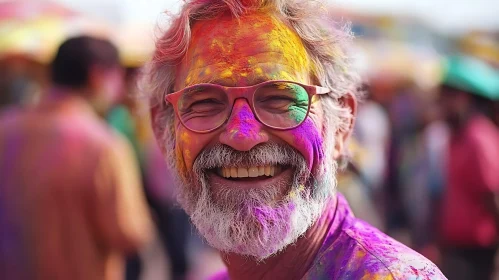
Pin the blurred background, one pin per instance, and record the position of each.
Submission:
(397, 177)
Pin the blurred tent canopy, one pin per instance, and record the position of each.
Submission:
(135, 42)
(26, 10)
(36, 28)
(471, 75)
(483, 45)
(400, 63)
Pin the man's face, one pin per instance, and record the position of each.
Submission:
(250, 215)
(107, 85)
(455, 105)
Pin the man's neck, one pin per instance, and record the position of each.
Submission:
(60, 92)
(292, 263)
(464, 121)
(64, 93)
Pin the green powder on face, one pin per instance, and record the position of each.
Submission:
(298, 110)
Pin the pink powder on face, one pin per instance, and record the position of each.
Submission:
(308, 140)
(226, 51)
(242, 123)
(237, 50)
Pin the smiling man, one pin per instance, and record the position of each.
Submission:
(252, 104)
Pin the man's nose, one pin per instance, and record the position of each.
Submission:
(243, 131)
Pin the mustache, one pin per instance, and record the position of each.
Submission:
(271, 153)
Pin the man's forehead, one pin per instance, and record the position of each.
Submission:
(227, 46)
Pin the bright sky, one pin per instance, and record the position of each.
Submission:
(446, 15)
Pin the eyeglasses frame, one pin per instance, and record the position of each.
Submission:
(248, 93)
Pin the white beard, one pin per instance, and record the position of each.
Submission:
(251, 222)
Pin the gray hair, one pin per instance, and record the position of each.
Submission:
(325, 41)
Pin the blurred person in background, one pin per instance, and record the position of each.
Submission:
(372, 130)
(172, 223)
(469, 221)
(130, 117)
(356, 187)
(71, 205)
(434, 141)
(495, 113)
(22, 80)
(254, 142)
(123, 117)
(405, 159)
(362, 178)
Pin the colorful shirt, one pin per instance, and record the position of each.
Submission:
(70, 197)
(355, 250)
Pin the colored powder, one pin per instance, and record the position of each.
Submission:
(235, 49)
(298, 111)
(308, 137)
(242, 123)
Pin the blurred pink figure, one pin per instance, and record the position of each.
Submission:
(469, 228)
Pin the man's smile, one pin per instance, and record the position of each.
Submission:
(250, 177)
(249, 172)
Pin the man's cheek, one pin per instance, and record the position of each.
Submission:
(308, 141)
(183, 151)
(180, 163)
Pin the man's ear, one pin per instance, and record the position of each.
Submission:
(155, 111)
(349, 102)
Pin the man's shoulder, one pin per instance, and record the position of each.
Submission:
(221, 275)
(400, 260)
(481, 131)
(362, 251)
(87, 129)
(482, 139)
(84, 131)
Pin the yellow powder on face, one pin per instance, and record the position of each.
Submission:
(187, 155)
(256, 45)
(186, 140)
(285, 75)
(183, 153)
(188, 79)
(227, 73)
(292, 194)
(185, 137)
(198, 63)
(180, 162)
(283, 38)
(219, 44)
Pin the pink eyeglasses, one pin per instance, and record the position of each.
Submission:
(279, 105)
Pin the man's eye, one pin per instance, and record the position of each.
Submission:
(206, 104)
(276, 102)
(278, 99)
(206, 101)
(281, 98)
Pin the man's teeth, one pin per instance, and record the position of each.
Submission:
(243, 172)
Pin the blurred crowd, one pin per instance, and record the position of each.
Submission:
(424, 158)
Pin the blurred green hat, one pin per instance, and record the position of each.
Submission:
(472, 76)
